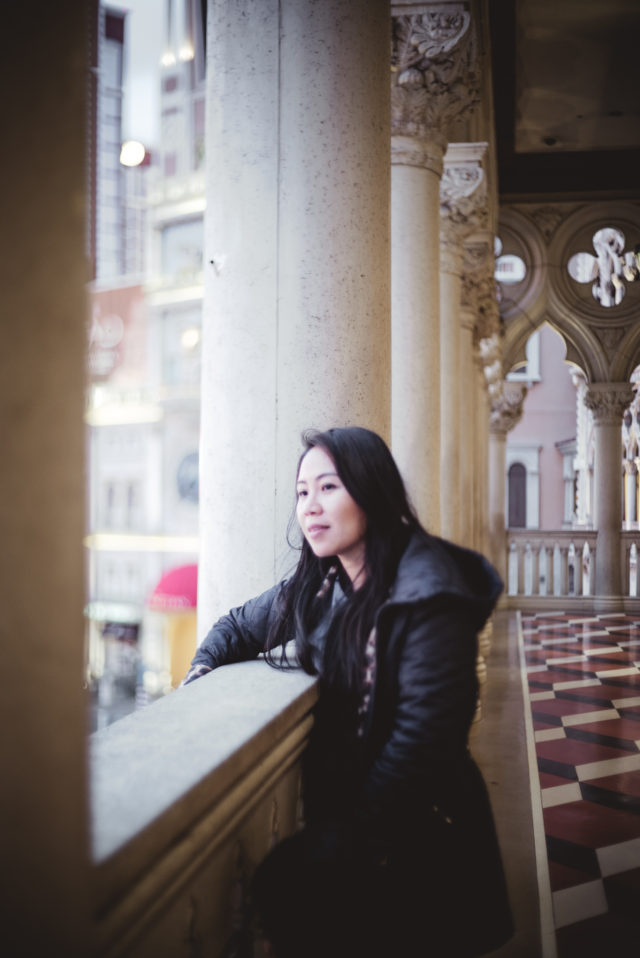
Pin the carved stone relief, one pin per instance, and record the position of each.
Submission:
(547, 219)
(610, 339)
(597, 330)
(434, 74)
(463, 210)
(463, 196)
(477, 254)
(506, 407)
(608, 401)
(479, 297)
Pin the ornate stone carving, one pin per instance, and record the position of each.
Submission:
(471, 283)
(434, 74)
(506, 407)
(490, 353)
(451, 251)
(610, 337)
(480, 291)
(488, 314)
(608, 401)
(478, 255)
(463, 197)
(547, 219)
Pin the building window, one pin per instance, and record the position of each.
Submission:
(517, 483)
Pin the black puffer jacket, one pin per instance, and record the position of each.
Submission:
(412, 793)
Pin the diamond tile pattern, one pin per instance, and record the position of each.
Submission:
(583, 675)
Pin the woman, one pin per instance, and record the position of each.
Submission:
(399, 853)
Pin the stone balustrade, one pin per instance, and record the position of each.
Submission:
(547, 567)
(187, 796)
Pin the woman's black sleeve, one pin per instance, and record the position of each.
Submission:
(238, 636)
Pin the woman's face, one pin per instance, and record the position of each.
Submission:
(331, 520)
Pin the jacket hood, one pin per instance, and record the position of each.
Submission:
(432, 568)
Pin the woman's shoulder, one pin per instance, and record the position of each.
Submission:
(431, 566)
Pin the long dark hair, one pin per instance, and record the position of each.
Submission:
(370, 475)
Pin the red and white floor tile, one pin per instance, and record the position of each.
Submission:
(583, 678)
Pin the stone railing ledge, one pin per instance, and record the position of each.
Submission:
(159, 771)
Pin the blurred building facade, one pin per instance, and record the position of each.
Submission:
(143, 399)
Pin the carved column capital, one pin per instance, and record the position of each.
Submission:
(479, 295)
(490, 356)
(463, 194)
(506, 407)
(630, 466)
(434, 73)
(463, 207)
(608, 401)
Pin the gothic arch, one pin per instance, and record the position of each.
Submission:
(628, 355)
(607, 336)
(522, 305)
(603, 342)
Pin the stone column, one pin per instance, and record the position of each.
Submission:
(334, 229)
(467, 462)
(433, 53)
(489, 352)
(506, 411)
(569, 480)
(44, 799)
(481, 485)
(584, 505)
(479, 322)
(296, 314)
(475, 450)
(462, 210)
(607, 402)
(630, 494)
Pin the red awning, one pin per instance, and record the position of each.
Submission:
(177, 590)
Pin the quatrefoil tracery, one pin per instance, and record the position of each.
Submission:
(609, 268)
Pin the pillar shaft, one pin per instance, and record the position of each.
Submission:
(429, 46)
(463, 211)
(607, 402)
(334, 254)
(630, 493)
(466, 426)
(608, 508)
(450, 390)
(497, 499)
(480, 444)
(506, 410)
(415, 310)
(296, 313)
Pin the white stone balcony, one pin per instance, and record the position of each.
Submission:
(554, 569)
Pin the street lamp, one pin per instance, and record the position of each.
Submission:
(132, 153)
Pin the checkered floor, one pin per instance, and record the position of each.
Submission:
(583, 676)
